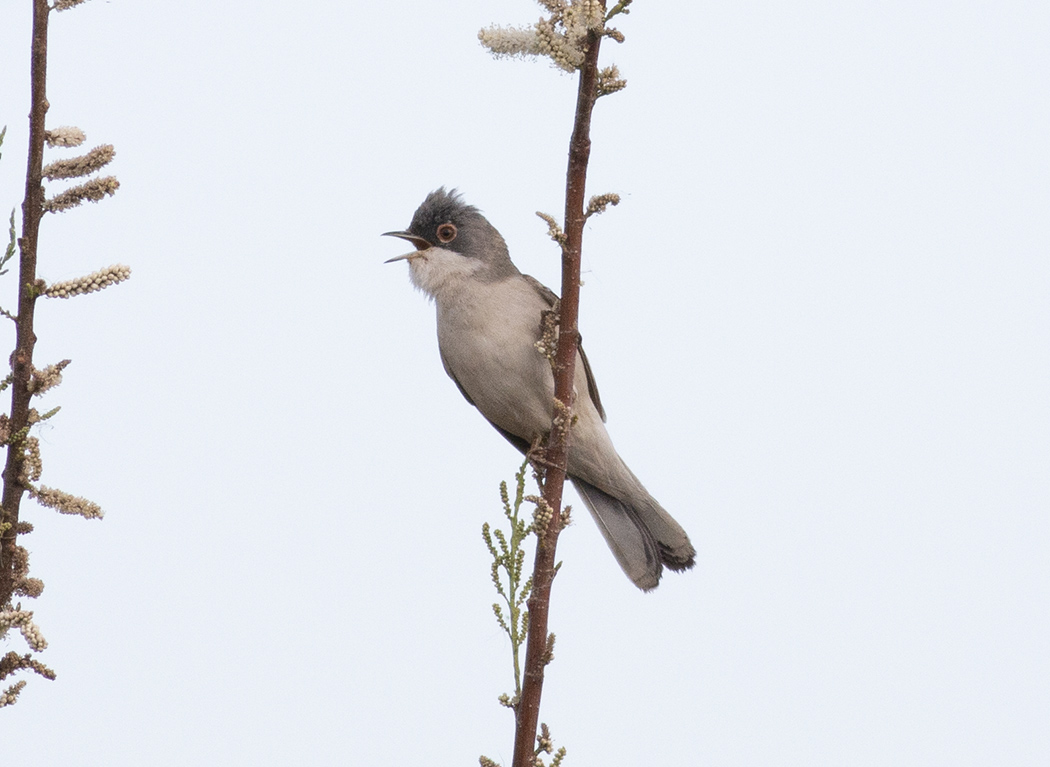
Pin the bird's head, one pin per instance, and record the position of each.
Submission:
(452, 240)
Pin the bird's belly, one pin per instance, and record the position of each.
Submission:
(499, 367)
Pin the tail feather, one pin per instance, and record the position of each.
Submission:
(643, 537)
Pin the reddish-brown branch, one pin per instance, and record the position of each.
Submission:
(528, 710)
(22, 358)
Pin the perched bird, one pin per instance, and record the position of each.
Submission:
(488, 321)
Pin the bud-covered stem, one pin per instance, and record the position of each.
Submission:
(22, 358)
(564, 371)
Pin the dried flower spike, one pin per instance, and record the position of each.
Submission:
(600, 202)
(93, 191)
(48, 378)
(65, 5)
(12, 662)
(65, 503)
(85, 165)
(10, 695)
(554, 230)
(29, 587)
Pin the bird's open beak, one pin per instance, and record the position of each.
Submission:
(419, 242)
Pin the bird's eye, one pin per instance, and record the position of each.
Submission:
(446, 232)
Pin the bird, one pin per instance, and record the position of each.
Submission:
(489, 319)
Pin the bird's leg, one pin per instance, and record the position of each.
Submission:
(537, 454)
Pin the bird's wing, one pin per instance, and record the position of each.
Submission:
(548, 295)
(551, 298)
(513, 439)
(592, 387)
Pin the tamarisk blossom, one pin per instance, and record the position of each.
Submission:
(66, 135)
(90, 283)
(93, 190)
(23, 465)
(561, 36)
(66, 503)
(23, 621)
(84, 165)
(65, 5)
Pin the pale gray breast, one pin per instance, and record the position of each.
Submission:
(487, 337)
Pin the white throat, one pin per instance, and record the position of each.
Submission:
(439, 272)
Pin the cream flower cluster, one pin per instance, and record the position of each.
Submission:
(33, 466)
(562, 37)
(559, 48)
(510, 41)
(67, 135)
(609, 81)
(24, 622)
(103, 278)
(583, 16)
(542, 514)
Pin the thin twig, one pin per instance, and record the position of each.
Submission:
(536, 656)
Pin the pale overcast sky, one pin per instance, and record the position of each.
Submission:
(820, 320)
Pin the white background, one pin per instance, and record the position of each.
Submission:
(819, 320)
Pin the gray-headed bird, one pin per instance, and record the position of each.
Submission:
(489, 318)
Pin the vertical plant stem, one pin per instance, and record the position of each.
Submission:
(528, 711)
(22, 359)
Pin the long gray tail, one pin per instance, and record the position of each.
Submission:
(641, 534)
